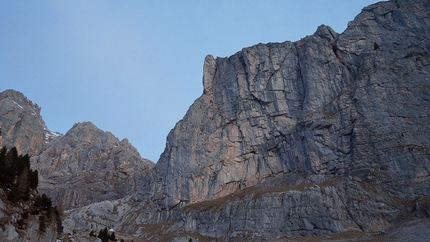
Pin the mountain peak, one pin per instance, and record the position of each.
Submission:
(21, 101)
(102, 167)
(21, 123)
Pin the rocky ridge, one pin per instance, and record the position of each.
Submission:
(88, 165)
(325, 135)
(84, 166)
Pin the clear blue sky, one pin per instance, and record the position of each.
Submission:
(134, 67)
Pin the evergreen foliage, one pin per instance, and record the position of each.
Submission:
(18, 180)
(375, 46)
(112, 236)
(103, 235)
(16, 175)
(42, 223)
(58, 220)
(43, 202)
(33, 179)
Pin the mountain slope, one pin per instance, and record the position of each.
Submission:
(24, 214)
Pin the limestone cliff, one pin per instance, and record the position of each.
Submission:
(327, 134)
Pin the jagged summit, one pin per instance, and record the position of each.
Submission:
(88, 133)
(20, 100)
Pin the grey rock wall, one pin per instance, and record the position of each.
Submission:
(353, 107)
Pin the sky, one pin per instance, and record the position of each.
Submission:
(132, 67)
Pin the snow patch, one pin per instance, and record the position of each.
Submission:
(18, 105)
(50, 136)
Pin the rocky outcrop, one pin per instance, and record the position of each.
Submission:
(17, 227)
(88, 165)
(21, 125)
(351, 109)
(293, 206)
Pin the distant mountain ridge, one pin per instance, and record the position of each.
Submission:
(84, 166)
(88, 165)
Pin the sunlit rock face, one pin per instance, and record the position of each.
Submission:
(351, 108)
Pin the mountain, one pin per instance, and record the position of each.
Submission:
(21, 125)
(326, 135)
(88, 165)
(84, 166)
(326, 138)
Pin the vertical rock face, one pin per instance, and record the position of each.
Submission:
(88, 165)
(326, 104)
(21, 124)
(351, 109)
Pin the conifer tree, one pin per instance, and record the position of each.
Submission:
(112, 236)
(3, 152)
(11, 167)
(42, 223)
(22, 184)
(103, 235)
(33, 179)
(43, 202)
